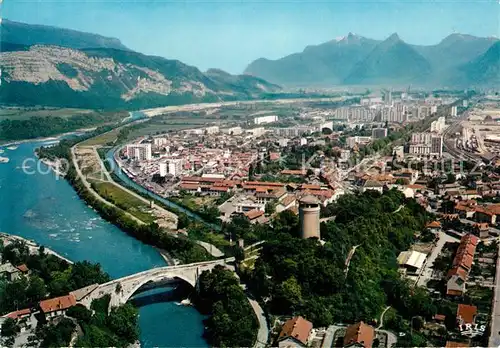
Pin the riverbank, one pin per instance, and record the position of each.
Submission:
(32, 246)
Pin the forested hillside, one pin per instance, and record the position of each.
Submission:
(298, 276)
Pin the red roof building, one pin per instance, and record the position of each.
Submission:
(359, 335)
(466, 314)
(58, 305)
(297, 328)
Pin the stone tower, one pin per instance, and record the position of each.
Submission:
(309, 207)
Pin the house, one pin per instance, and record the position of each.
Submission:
(9, 272)
(452, 344)
(482, 229)
(487, 213)
(373, 185)
(462, 263)
(248, 203)
(466, 209)
(299, 172)
(288, 202)
(411, 261)
(466, 314)
(22, 318)
(256, 216)
(359, 335)
(434, 226)
(295, 332)
(23, 269)
(19, 315)
(57, 306)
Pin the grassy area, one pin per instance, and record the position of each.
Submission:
(124, 200)
(102, 139)
(195, 203)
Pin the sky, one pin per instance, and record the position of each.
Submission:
(230, 34)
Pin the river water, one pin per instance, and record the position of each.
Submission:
(47, 210)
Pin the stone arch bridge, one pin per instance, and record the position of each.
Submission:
(122, 289)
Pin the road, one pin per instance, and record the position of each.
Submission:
(263, 334)
(494, 340)
(330, 335)
(91, 190)
(426, 273)
(210, 248)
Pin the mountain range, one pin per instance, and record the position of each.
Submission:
(457, 61)
(49, 66)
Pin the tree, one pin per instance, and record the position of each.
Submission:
(270, 207)
(288, 295)
(123, 322)
(80, 313)
(9, 331)
(36, 290)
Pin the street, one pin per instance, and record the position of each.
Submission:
(494, 340)
(426, 273)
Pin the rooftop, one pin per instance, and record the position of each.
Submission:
(359, 333)
(466, 313)
(309, 199)
(298, 328)
(58, 303)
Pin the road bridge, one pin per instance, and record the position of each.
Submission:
(122, 289)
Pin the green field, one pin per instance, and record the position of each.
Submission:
(124, 200)
(102, 139)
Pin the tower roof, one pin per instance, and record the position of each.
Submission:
(309, 199)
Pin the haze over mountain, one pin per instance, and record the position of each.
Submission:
(355, 60)
(59, 67)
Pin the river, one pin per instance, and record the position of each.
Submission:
(47, 210)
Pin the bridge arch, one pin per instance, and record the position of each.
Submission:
(129, 289)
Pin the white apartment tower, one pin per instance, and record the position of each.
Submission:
(140, 152)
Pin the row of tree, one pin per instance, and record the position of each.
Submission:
(36, 126)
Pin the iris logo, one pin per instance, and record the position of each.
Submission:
(472, 330)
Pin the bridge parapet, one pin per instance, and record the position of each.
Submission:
(123, 288)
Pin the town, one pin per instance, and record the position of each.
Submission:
(303, 162)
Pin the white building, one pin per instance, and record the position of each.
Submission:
(453, 111)
(352, 141)
(439, 125)
(160, 141)
(421, 138)
(171, 167)
(140, 152)
(283, 142)
(412, 261)
(323, 125)
(423, 144)
(212, 130)
(292, 132)
(233, 131)
(265, 119)
(257, 132)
